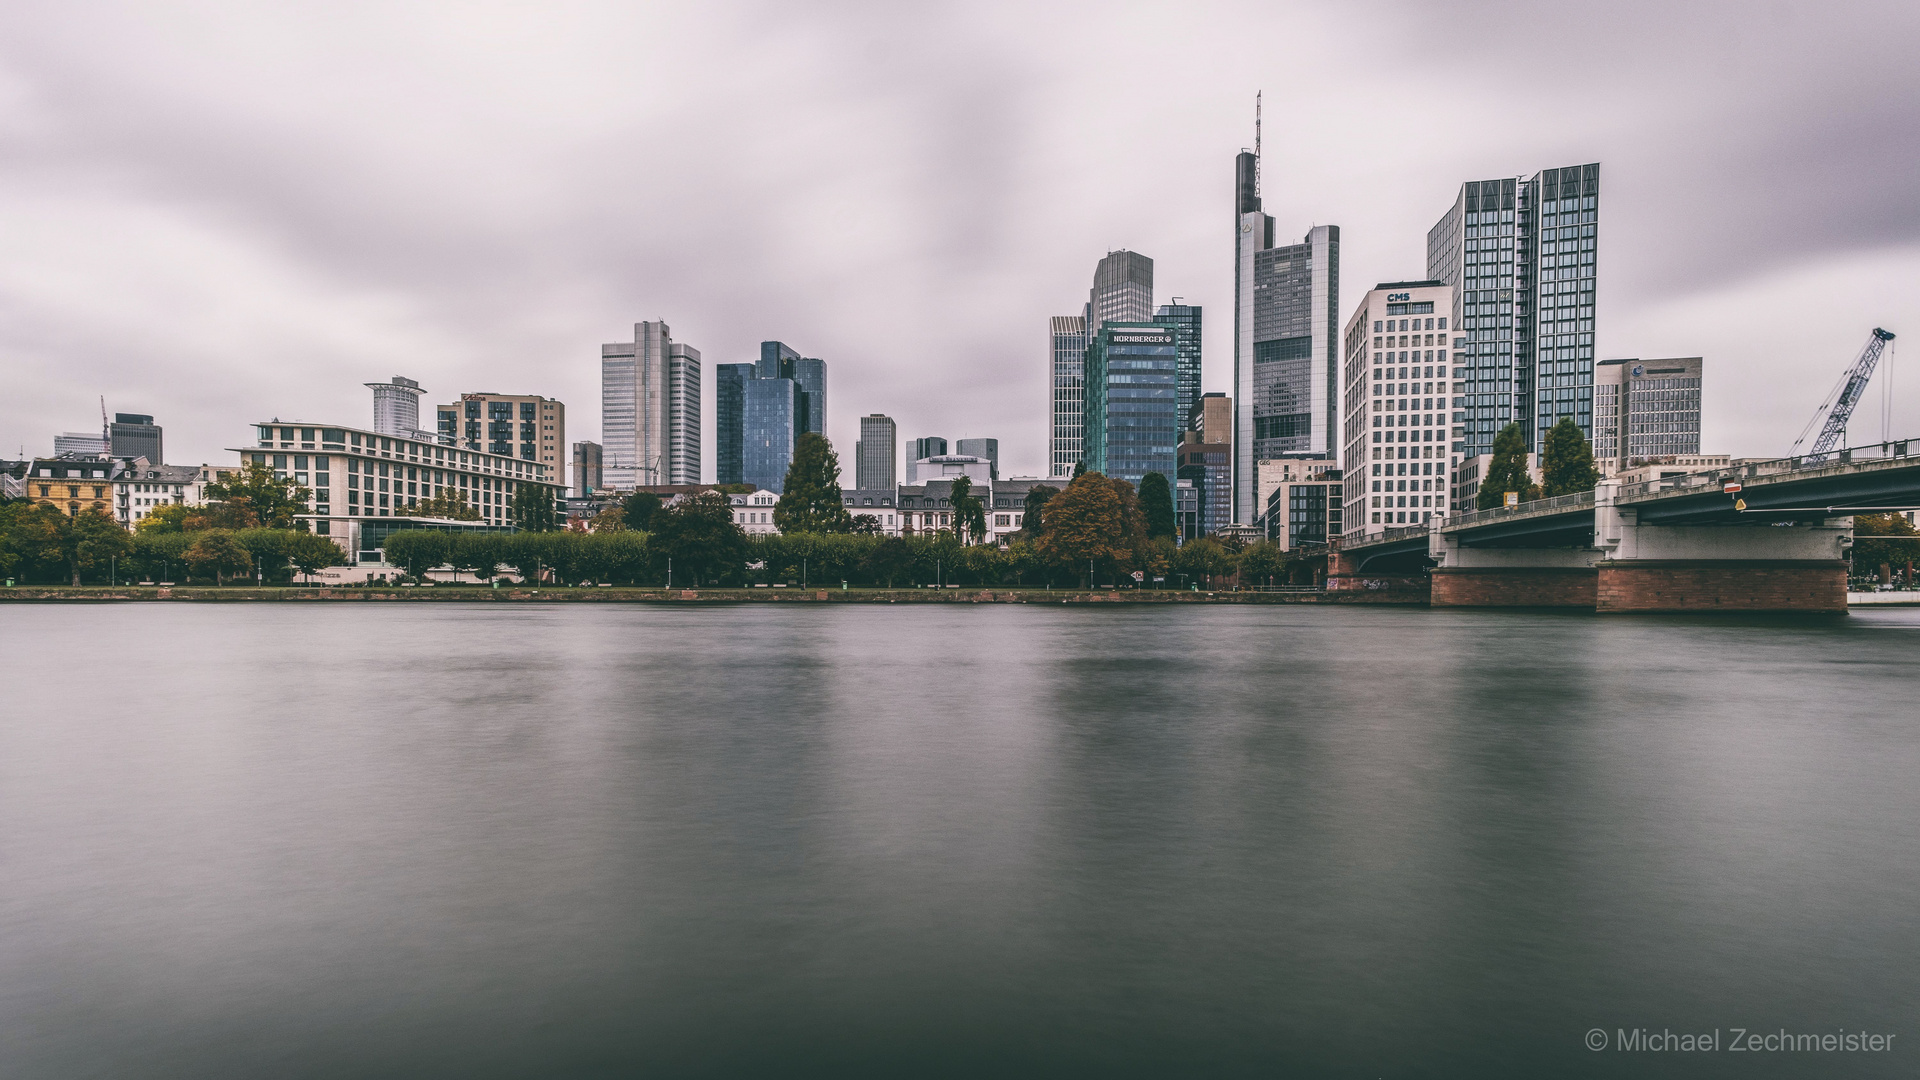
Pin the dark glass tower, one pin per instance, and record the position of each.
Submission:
(1185, 318)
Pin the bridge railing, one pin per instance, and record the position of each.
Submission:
(1806, 465)
(1526, 509)
(1384, 536)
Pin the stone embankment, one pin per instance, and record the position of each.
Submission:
(544, 595)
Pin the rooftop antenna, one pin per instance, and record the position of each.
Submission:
(1256, 142)
(106, 431)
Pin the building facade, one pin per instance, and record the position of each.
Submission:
(729, 421)
(1210, 419)
(1132, 424)
(396, 407)
(73, 483)
(981, 448)
(526, 426)
(876, 454)
(1645, 410)
(1208, 468)
(1068, 338)
(1520, 256)
(1285, 385)
(140, 487)
(649, 409)
(1185, 318)
(1304, 509)
(80, 444)
(920, 450)
(366, 485)
(587, 476)
(135, 435)
(772, 418)
(762, 409)
(1396, 418)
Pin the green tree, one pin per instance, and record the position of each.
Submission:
(274, 501)
(1033, 516)
(866, 525)
(969, 516)
(1079, 470)
(170, 518)
(1566, 460)
(811, 500)
(94, 540)
(1884, 541)
(1203, 560)
(1507, 471)
(451, 503)
(698, 533)
(639, 508)
(1261, 562)
(533, 507)
(1156, 503)
(216, 552)
(890, 557)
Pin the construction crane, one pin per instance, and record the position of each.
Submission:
(1838, 408)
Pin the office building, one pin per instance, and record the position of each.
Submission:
(1396, 418)
(1185, 318)
(396, 407)
(366, 484)
(1186, 510)
(772, 418)
(1210, 419)
(1208, 468)
(729, 418)
(587, 476)
(1122, 290)
(981, 448)
(779, 361)
(80, 444)
(1645, 410)
(1068, 335)
(920, 450)
(135, 435)
(1519, 255)
(526, 426)
(650, 409)
(1132, 424)
(875, 455)
(1303, 507)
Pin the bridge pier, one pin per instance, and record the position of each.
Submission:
(1510, 577)
(1758, 566)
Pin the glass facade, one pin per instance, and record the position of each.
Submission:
(771, 411)
(1132, 424)
(1069, 338)
(1186, 319)
(729, 416)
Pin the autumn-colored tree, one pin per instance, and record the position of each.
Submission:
(1087, 526)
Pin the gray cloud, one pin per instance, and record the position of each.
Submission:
(220, 213)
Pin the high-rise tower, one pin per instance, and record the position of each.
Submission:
(650, 409)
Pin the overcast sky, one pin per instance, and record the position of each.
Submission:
(217, 214)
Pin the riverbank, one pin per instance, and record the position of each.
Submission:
(969, 594)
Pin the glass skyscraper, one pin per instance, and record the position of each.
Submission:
(1132, 424)
(1186, 319)
(650, 409)
(1520, 257)
(729, 417)
(771, 414)
(759, 424)
(1069, 340)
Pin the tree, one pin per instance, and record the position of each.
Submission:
(811, 500)
(1033, 512)
(451, 503)
(1261, 562)
(1203, 558)
(639, 508)
(1507, 471)
(969, 516)
(274, 501)
(1079, 470)
(1086, 527)
(216, 552)
(1566, 460)
(1156, 503)
(169, 518)
(698, 533)
(533, 507)
(1884, 541)
(93, 540)
(866, 525)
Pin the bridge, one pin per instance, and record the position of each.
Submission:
(1757, 536)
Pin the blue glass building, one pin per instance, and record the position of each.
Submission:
(771, 412)
(728, 404)
(1132, 424)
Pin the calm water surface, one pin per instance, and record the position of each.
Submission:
(423, 840)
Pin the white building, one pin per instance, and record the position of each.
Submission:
(396, 408)
(1397, 407)
(142, 487)
(754, 513)
(649, 410)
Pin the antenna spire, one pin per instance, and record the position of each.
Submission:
(1256, 141)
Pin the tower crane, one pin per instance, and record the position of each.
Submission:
(1838, 408)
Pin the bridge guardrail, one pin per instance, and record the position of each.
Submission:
(1384, 536)
(1537, 506)
(1806, 465)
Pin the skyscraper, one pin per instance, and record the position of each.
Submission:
(1122, 289)
(136, 435)
(772, 414)
(982, 448)
(921, 449)
(1069, 348)
(876, 452)
(586, 468)
(650, 409)
(1643, 409)
(396, 406)
(729, 418)
(1286, 340)
(1132, 422)
(757, 425)
(1186, 319)
(1519, 255)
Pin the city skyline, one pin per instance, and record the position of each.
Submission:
(234, 264)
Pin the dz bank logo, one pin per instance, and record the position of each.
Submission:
(1639, 370)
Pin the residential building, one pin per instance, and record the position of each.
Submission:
(527, 426)
(1132, 424)
(981, 448)
(1396, 418)
(876, 454)
(135, 435)
(1208, 468)
(587, 469)
(878, 503)
(772, 418)
(729, 420)
(1068, 335)
(74, 482)
(920, 450)
(365, 484)
(650, 409)
(1006, 505)
(141, 486)
(1186, 319)
(1304, 509)
(1210, 419)
(1520, 257)
(396, 407)
(1646, 410)
(80, 444)
(754, 512)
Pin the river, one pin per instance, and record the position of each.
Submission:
(416, 840)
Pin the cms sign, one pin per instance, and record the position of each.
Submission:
(1396, 297)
